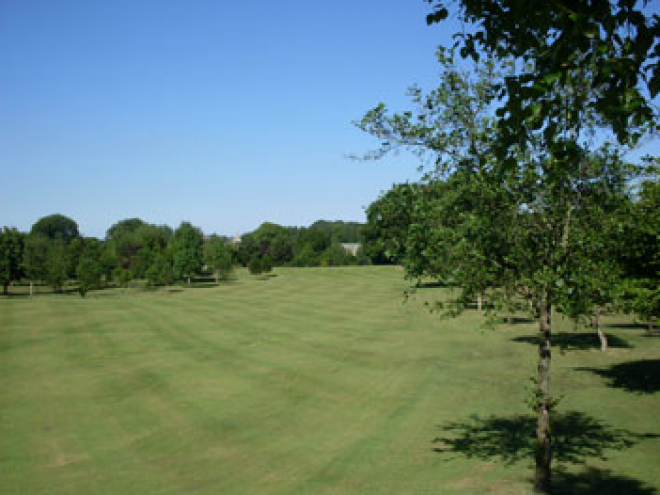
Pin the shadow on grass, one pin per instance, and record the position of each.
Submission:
(431, 285)
(577, 341)
(634, 376)
(593, 481)
(577, 437)
(517, 320)
(626, 326)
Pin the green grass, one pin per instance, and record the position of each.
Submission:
(316, 381)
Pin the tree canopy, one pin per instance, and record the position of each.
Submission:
(56, 226)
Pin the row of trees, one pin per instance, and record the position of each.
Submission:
(54, 252)
(529, 196)
(317, 245)
(416, 225)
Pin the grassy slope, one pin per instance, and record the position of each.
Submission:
(317, 381)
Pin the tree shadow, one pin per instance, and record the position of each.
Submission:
(516, 320)
(634, 376)
(201, 285)
(626, 326)
(576, 341)
(593, 481)
(431, 285)
(576, 437)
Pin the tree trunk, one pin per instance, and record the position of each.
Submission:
(4, 289)
(188, 281)
(217, 277)
(479, 302)
(601, 334)
(543, 453)
(31, 288)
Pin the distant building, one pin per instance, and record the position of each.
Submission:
(236, 240)
(351, 247)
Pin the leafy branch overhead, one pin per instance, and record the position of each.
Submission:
(615, 43)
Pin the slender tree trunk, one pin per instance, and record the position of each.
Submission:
(5, 286)
(217, 277)
(188, 281)
(479, 302)
(542, 476)
(601, 334)
(31, 288)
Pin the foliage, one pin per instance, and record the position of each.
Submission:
(122, 276)
(218, 257)
(187, 249)
(266, 264)
(57, 263)
(88, 273)
(254, 266)
(336, 255)
(640, 293)
(385, 234)
(527, 226)
(56, 226)
(160, 272)
(133, 244)
(613, 45)
(11, 254)
(35, 257)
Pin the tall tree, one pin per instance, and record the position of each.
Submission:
(389, 217)
(577, 63)
(641, 257)
(187, 249)
(88, 273)
(218, 257)
(513, 227)
(57, 264)
(56, 226)
(35, 259)
(11, 256)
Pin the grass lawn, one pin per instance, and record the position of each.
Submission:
(315, 381)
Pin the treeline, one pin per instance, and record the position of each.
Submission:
(321, 244)
(54, 253)
(417, 225)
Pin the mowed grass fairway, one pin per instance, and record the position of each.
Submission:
(315, 381)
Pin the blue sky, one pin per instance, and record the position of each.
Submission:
(224, 114)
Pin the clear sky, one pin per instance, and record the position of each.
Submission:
(222, 113)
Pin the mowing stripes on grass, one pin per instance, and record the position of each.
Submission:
(314, 381)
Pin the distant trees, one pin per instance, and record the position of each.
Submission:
(187, 251)
(11, 254)
(56, 226)
(160, 272)
(312, 246)
(57, 264)
(389, 217)
(54, 252)
(35, 257)
(640, 293)
(218, 257)
(88, 273)
(254, 265)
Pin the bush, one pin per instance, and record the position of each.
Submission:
(254, 266)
